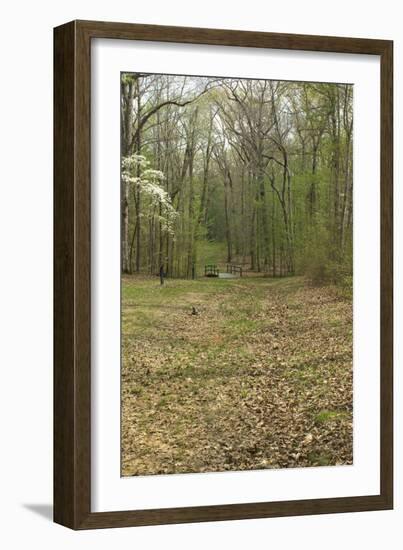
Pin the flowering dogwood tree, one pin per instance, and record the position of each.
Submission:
(138, 176)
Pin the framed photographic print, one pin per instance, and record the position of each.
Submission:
(222, 275)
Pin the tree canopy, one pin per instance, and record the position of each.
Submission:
(262, 166)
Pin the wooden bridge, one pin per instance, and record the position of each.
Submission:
(234, 269)
(212, 270)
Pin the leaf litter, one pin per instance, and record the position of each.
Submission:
(260, 378)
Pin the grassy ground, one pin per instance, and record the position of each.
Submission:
(260, 378)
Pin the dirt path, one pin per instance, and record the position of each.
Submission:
(260, 378)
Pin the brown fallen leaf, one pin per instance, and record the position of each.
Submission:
(307, 439)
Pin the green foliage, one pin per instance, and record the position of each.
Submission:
(320, 269)
(322, 260)
(329, 416)
(264, 168)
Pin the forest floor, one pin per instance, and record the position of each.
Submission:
(260, 378)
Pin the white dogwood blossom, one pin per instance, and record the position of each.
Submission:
(137, 173)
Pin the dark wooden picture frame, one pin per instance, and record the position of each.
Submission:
(72, 285)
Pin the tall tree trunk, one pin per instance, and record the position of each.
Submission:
(125, 227)
(264, 216)
(138, 191)
(127, 98)
(228, 234)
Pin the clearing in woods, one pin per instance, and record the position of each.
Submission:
(260, 378)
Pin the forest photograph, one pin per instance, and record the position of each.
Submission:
(237, 274)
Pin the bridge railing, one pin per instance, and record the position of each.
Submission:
(211, 270)
(234, 269)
